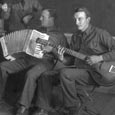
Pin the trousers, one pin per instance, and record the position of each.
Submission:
(46, 83)
(72, 81)
(37, 66)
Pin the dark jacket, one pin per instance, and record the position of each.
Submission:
(56, 38)
(93, 41)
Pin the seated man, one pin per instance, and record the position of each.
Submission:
(89, 46)
(37, 66)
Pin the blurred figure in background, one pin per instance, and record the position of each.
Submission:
(21, 15)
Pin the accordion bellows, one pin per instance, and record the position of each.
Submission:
(22, 41)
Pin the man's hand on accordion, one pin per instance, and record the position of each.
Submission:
(10, 58)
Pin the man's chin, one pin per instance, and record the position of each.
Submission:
(79, 28)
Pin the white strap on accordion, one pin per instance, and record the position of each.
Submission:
(3, 44)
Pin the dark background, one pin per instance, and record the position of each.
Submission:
(102, 12)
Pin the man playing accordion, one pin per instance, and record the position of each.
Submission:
(37, 65)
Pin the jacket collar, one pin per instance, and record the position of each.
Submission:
(88, 30)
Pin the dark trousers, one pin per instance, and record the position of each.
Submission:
(37, 67)
(9, 67)
(71, 79)
(46, 84)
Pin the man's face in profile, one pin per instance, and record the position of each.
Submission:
(45, 18)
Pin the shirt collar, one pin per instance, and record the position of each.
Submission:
(88, 30)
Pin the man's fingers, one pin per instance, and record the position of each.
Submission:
(89, 61)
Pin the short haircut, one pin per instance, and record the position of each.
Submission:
(83, 9)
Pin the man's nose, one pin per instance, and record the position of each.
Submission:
(77, 22)
(40, 18)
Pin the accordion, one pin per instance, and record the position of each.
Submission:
(23, 41)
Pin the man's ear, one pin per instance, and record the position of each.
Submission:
(89, 19)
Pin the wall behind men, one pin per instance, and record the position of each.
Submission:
(102, 12)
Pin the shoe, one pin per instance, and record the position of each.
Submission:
(22, 111)
(41, 112)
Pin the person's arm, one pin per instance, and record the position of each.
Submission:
(61, 51)
(27, 18)
(65, 58)
(108, 42)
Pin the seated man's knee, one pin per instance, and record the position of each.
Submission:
(2, 64)
(64, 73)
(50, 73)
(31, 75)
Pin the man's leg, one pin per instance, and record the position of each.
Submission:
(30, 85)
(45, 86)
(69, 79)
(44, 91)
(9, 67)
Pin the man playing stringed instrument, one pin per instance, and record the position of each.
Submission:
(98, 46)
(90, 48)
